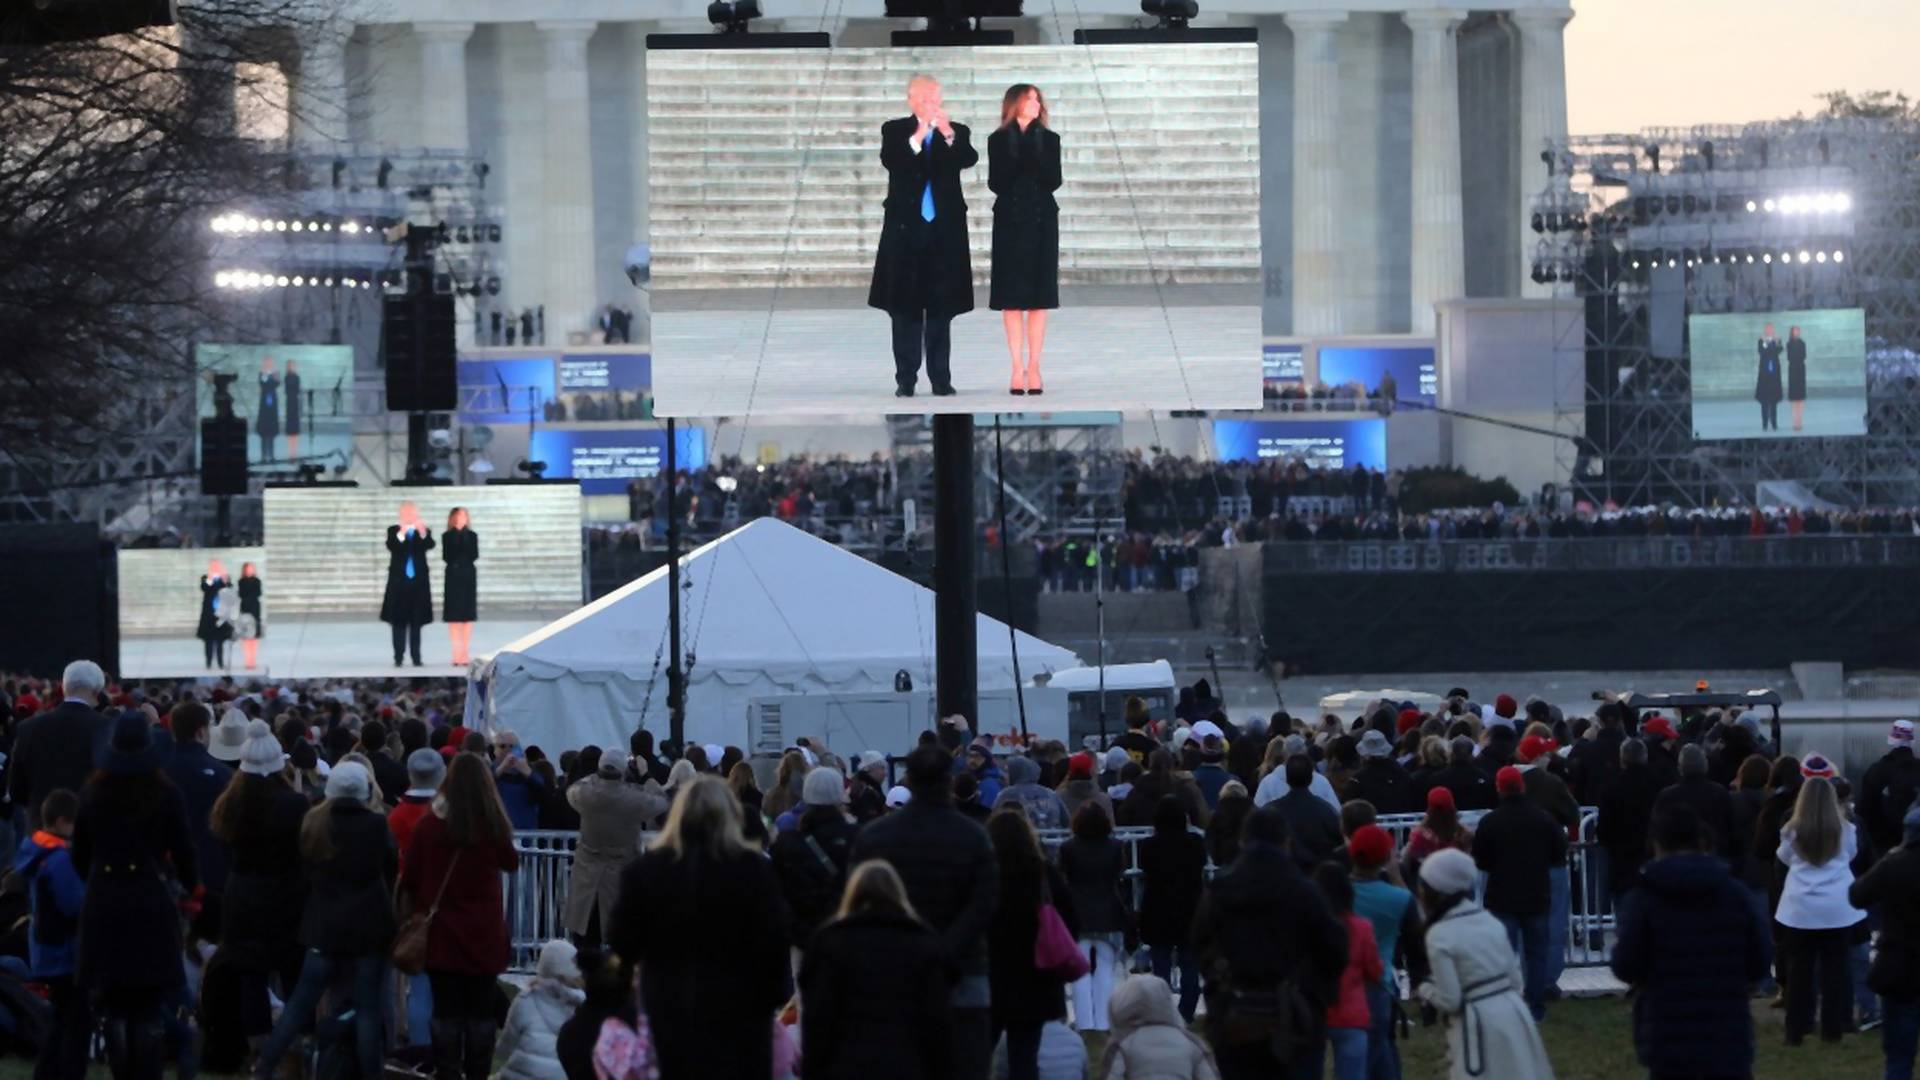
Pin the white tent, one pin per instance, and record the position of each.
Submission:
(766, 609)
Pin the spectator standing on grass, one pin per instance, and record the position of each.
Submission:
(54, 751)
(873, 988)
(1398, 931)
(1438, 831)
(1550, 793)
(700, 914)
(1349, 1016)
(613, 811)
(1693, 941)
(1313, 825)
(1476, 982)
(1626, 818)
(1025, 998)
(453, 866)
(811, 859)
(1380, 779)
(952, 880)
(1173, 865)
(1888, 789)
(1094, 864)
(1817, 844)
(258, 818)
(54, 896)
(1712, 804)
(201, 778)
(1517, 845)
(1471, 786)
(1894, 885)
(1150, 1041)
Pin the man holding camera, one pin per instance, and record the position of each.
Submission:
(922, 275)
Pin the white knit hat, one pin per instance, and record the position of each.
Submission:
(1450, 872)
(349, 780)
(558, 960)
(261, 756)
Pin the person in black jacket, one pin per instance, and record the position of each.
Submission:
(1796, 376)
(1594, 762)
(1173, 869)
(1692, 942)
(1516, 845)
(1888, 788)
(700, 913)
(348, 923)
(130, 844)
(200, 779)
(873, 988)
(1381, 780)
(1024, 997)
(388, 775)
(1471, 785)
(921, 274)
(1023, 170)
(1766, 382)
(1626, 817)
(1094, 865)
(1261, 929)
(1712, 806)
(953, 881)
(459, 603)
(54, 750)
(408, 603)
(1893, 885)
(1313, 825)
(811, 858)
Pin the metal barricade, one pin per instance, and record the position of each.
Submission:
(536, 894)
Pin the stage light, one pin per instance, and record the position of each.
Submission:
(221, 278)
(1822, 202)
(1839, 256)
(732, 16)
(1842, 202)
(1672, 262)
(1770, 205)
(252, 225)
(1820, 256)
(1752, 206)
(1806, 257)
(255, 279)
(1636, 263)
(299, 226)
(280, 226)
(281, 281)
(1749, 258)
(329, 283)
(1767, 257)
(1786, 256)
(350, 227)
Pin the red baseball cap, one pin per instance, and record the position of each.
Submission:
(1370, 846)
(1660, 726)
(1533, 746)
(1440, 799)
(1409, 719)
(1505, 706)
(1510, 781)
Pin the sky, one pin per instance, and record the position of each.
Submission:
(1633, 64)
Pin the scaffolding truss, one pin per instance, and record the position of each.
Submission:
(1686, 211)
(1061, 480)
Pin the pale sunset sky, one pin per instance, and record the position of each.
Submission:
(1633, 64)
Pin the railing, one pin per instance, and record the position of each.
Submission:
(1607, 553)
(536, 895)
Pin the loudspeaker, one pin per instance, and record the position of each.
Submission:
(417, 340)
(223, 456)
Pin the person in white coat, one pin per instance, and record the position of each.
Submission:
(527, 1047)
(1818, 846)
(1476, 981)
(1149, 1041)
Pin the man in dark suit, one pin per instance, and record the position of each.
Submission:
(54, 750)
(408, 604)
(922, 275)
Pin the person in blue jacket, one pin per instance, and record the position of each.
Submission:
(55, 892)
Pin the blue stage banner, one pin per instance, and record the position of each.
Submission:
(1415, 376)
(604, 461)
(1322, 444)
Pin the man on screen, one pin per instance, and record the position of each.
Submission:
(1766, 386)
(922, 275)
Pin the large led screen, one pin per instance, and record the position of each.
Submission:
(295, 399)
(833, 231)
(1779, 375)
(605, 461)
(1411, 369)
(1320, 444)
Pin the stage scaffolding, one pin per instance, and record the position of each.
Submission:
(1622, 217)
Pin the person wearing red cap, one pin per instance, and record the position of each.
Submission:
(1505, 707)
(1516, 846)
(1397, 929)
(1550, 793)
(1438, 831)
(1080, 788)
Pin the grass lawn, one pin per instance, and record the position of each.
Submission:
(1587, 1038)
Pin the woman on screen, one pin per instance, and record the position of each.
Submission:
(266, 420)
(460, 549)
(1797, 375)
(251, 626)
(215, 626)
(291, 387)
(1766, 385)
(1023, 169)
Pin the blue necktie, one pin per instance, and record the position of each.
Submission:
(926, 194)
(403, 537)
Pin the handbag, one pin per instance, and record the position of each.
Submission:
(1055, 952)
(410, 944)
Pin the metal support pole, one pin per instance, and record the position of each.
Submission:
(676, 693)
(955, 606)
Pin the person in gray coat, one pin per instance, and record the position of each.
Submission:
(1044, 807)
(612, 814)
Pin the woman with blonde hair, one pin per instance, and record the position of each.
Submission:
(700, 913)
(787, 778)
(1817, 845)
(873, 999)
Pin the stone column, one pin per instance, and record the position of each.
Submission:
(319, 120)
(1316, 171)
(1439, 245)
(571, 285)
(1543, 118)
(443, 84)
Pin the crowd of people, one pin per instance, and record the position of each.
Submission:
(220, 875)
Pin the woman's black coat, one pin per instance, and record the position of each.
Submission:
(1023, 170)
(873, 1001)
(1022, 994)
(1796, 369)
(266, 886)
(459, 601)
(133, 852)
(1174, 869)
(349, 907)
